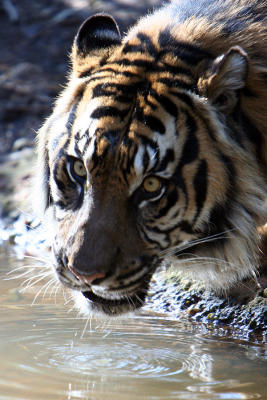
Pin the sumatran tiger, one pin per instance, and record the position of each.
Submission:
(156, 152)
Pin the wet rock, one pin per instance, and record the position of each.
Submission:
(247, 321)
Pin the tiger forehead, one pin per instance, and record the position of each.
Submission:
(110, 120)
(125, 166)
(122, 174)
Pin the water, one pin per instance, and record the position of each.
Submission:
(48, 352)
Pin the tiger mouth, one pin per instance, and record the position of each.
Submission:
(132, 302)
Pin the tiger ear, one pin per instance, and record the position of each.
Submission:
(92, 42)
(225, 78)
(97, 32)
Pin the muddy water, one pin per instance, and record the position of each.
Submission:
(48, 352)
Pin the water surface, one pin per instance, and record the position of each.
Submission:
(47, 351)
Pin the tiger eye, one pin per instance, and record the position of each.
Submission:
(151, 184)
(79, 168)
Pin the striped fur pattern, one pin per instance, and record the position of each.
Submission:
(156, 152)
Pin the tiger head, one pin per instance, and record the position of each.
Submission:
(138, 163)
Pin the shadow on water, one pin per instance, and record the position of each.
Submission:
(49, 352)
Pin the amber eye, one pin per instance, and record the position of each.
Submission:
(79, 168)
(152, 184)
(76, 170)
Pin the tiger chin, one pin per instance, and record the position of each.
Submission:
(156, 153)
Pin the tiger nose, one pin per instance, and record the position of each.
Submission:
(87, 278)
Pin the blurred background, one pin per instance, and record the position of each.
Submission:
(35, 40)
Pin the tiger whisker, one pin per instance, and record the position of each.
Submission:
(138, 298)
(106, 334)
(73, 308)
(45, 273)
(130, 301)
(53, 290)
(45, 286)
(179, 248)
(200, 259)
(64, 293)
(67, 301)
(32, 282)
(43, 260)
(50, 282)
(23, 268)
(56, 290)
(18, 276)
(85, 327)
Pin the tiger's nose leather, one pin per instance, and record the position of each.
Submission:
(96, 258)
(89, 279)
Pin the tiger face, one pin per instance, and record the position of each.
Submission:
(145, 162)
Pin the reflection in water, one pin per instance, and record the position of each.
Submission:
(50, 353)
(199, 364)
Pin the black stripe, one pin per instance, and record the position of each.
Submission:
(145, 160)
(183, 97)
(154, 67)
(124, 158)
(263, 76)
(191, 147)
(185, 51)
(111, 71)
(130, 160)
(253, 135)
(173, 69)
(149, 46)
(112, 136)
(178, 83)
(231, 173)
(109, 111)
(153, 242)
(172, 199)
(168, 158)
(154, 146)
(104, 90)
(126, 99)
(178, 180)
(99, 159)
(97, 78)
(61, 155)
(147, 65)
(60, 204)
(117, 72)
(61, 186)
(150, 121)
(218, 221)
(87, 72)
(86, 145)
(69, 124)
(122, 277)
(186, 227)
(76, 146)
(154, 124)
(200, 186)
(165, 102)
(145, 45)
(72, 115)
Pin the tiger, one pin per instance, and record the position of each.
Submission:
(155, 153)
